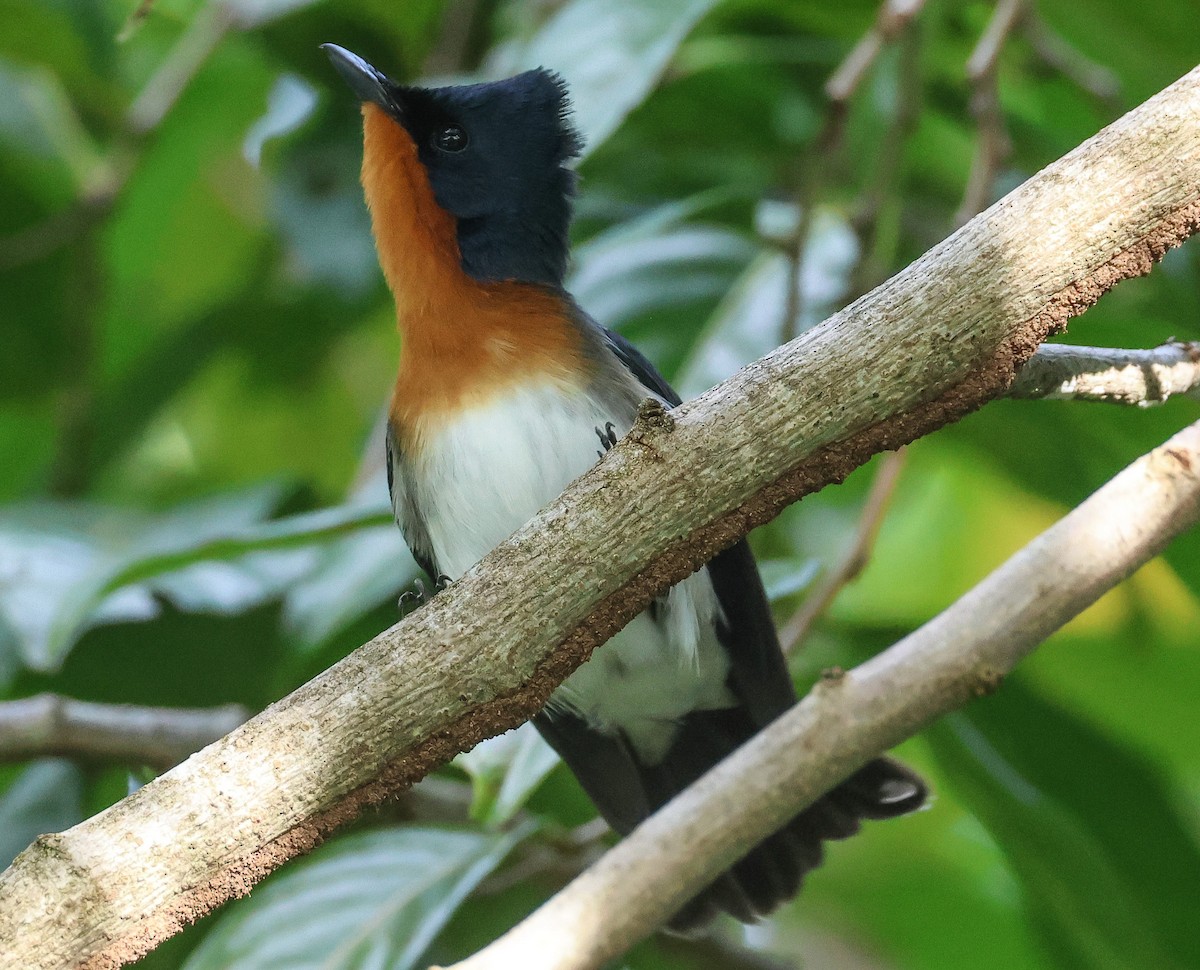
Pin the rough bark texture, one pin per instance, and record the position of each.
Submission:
(849, 718)
(1142, 378)
(938, 340)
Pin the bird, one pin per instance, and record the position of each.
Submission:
(507, 391)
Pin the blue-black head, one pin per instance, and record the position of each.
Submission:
(496, 155)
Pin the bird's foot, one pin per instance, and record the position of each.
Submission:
(410, 599)
(607, 436)
(418, 596)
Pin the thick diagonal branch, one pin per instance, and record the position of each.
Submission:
(939, 339)
(848, 719)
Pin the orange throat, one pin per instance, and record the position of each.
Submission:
(463, 341)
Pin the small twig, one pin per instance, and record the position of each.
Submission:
(992, 145)
(1142, 378)
(190, 53)
(148, 110)
(1096, 79)
(893, 17)
(50, 724)
(135, 20)
(851, 565)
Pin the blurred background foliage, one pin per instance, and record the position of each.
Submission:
(197, 343)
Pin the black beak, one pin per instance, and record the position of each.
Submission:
(368, 84)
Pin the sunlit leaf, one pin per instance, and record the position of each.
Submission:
(505, 771)
(612, 53)
(349, 577)
(750, 322)
(76, 566)
(376, 899)
(631, 274)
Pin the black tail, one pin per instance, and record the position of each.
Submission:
(771, 873)
(626, 791)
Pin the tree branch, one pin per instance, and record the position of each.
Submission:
(992, 146)
(50, 724)
(870, 521)
(849, 718)
(1143, 378)
(938, 340)
(893, 17)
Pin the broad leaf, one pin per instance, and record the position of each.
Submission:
(750, 320)
(505, 771)
(77, 566)
(47, 796)
(376, 899)
(1086, 828)
(612, 53)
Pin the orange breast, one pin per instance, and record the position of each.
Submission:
(462, 341)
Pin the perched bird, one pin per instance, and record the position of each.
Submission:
(505, 385)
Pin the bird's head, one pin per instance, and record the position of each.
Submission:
(492, 159)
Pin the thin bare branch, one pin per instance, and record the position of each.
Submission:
(148, 110)
(50, 724)
(850, 566)
(190, 53)
(847, 719)
(992, 145)
(1056, 52)
(1142, 378)
(893, 17)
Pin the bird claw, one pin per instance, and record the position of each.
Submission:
(410, 599)
(608, 437)
(419, 595)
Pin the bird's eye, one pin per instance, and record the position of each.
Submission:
(450, 138)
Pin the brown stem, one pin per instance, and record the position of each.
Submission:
(854, 561)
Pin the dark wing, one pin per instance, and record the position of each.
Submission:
(637, 364)
(408, 516)
(758, 675)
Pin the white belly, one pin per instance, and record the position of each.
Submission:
(484, 475)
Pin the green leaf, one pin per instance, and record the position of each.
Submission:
(351, 576)
(83, 565)
(749, 321)
(47, 796)
(505, 771)
(612, 53)
(1109, 871)
(375, 899)
(38, 122)
(622, 274)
